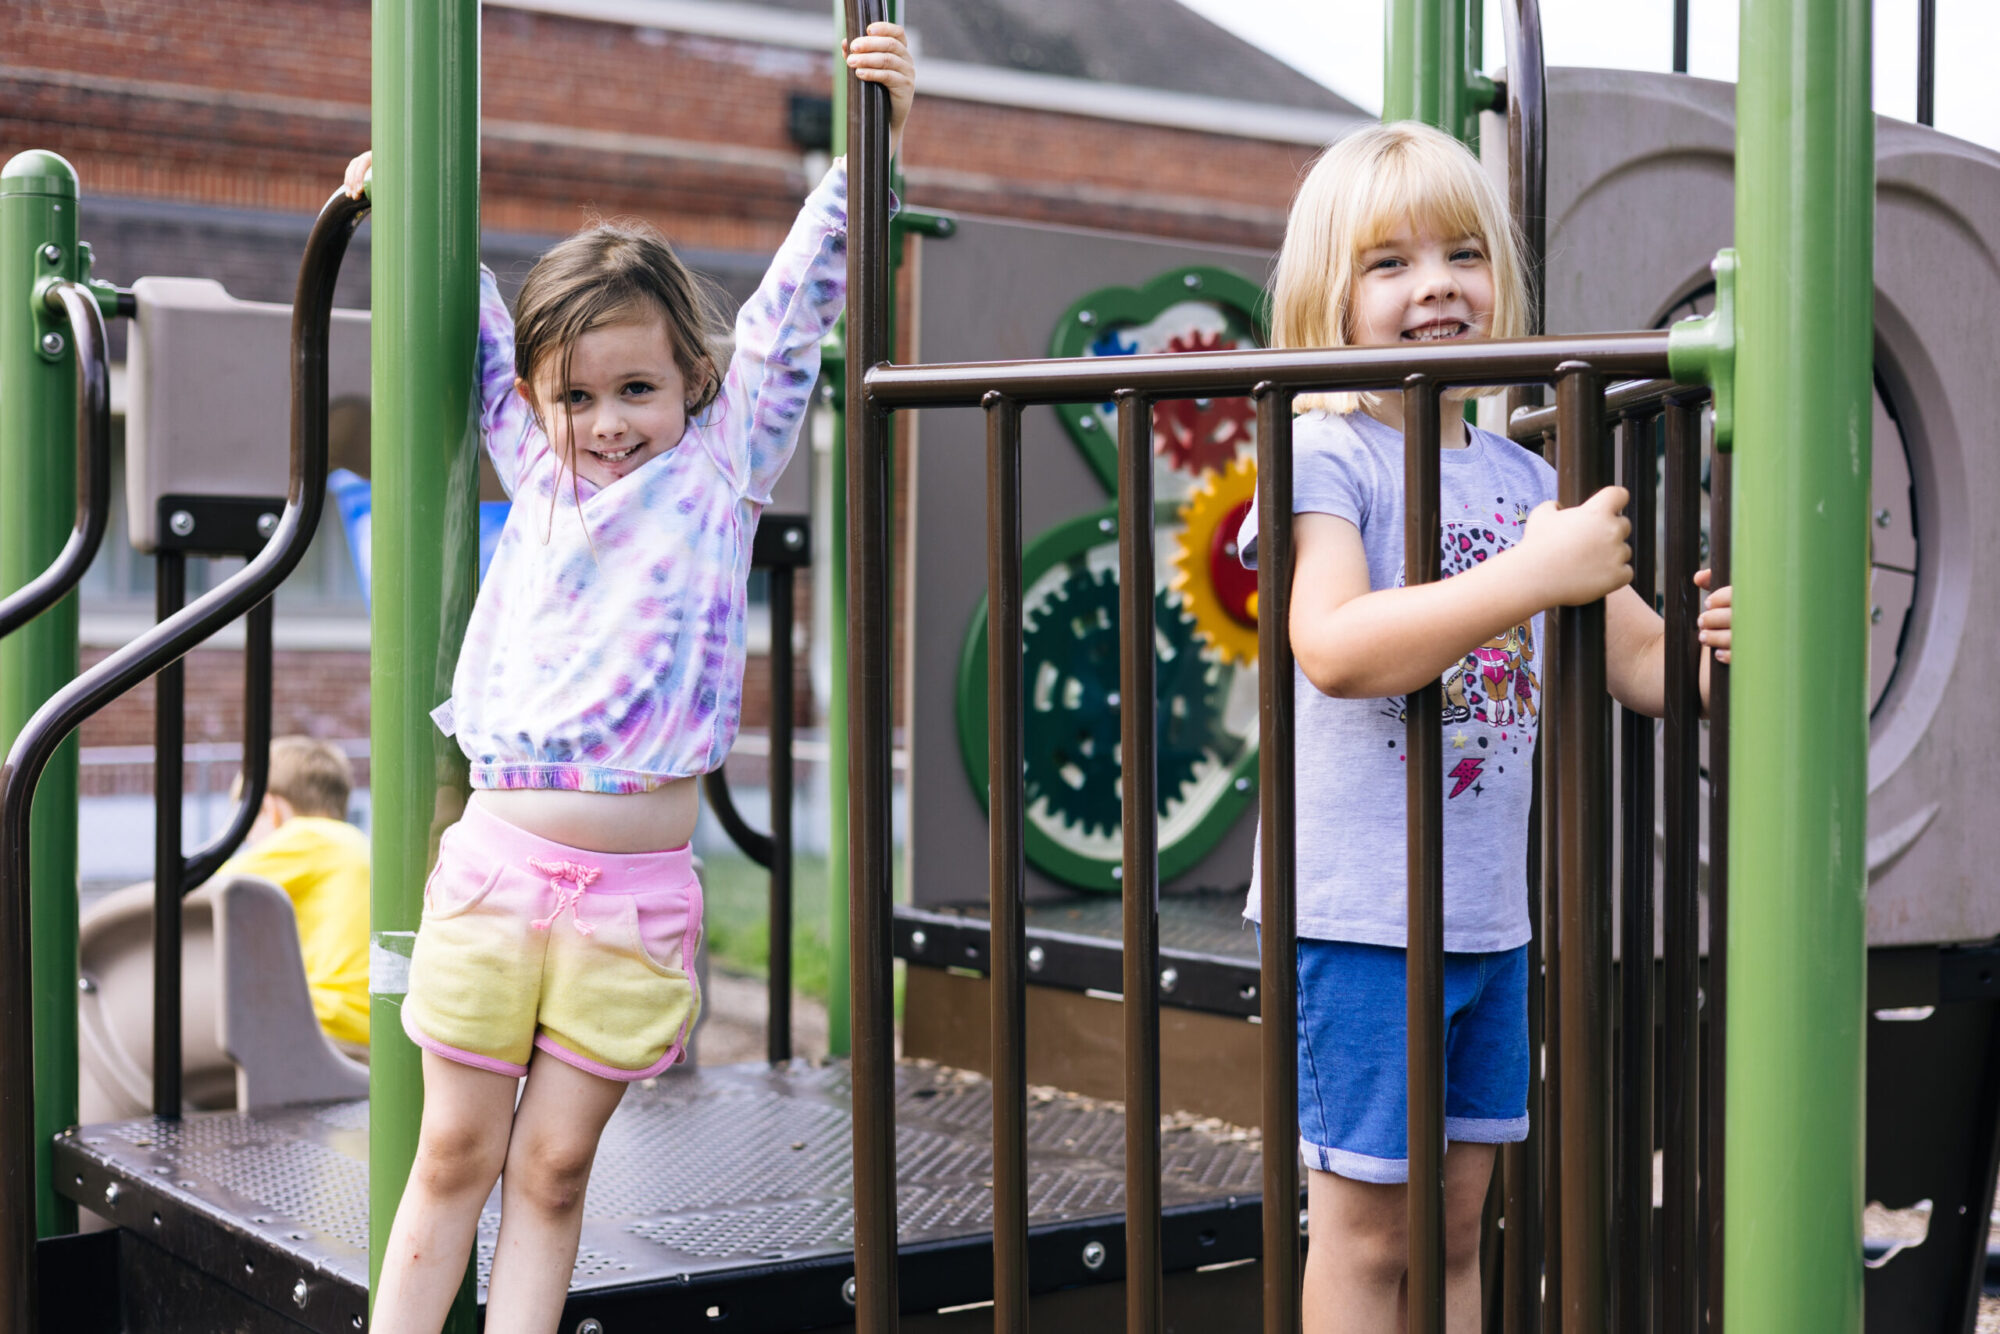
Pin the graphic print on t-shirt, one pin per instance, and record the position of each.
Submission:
(1495, 687)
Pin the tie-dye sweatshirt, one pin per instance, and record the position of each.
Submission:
(605, 651)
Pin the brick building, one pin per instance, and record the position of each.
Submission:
(206, 134)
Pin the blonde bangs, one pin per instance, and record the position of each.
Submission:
(1381, 180)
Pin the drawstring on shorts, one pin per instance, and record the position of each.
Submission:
(569, 880)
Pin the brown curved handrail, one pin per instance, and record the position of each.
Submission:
(53, 723)
(93, 461)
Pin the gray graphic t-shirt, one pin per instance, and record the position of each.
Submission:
(1351, 773)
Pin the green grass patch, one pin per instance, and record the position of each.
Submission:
(736, 896)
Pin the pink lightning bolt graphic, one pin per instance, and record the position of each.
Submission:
(1466, 772)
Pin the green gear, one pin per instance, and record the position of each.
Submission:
(1070, 678)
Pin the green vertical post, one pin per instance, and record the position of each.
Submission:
(1805, 209)
(1426, 62)
(425, 252)
(38, 223)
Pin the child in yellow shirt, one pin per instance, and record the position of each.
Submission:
(303, 843)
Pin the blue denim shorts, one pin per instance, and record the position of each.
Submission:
(1353, 1070)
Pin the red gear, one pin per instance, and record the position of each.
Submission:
(1199, 435)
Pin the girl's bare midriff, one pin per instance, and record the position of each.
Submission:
(601, 821)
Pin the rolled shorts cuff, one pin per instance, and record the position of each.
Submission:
(1483, 1130)
(1354, 1166)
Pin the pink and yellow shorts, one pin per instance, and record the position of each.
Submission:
(527, 943)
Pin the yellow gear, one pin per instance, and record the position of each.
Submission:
(1221, 493)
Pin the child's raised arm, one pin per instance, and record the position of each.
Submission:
(766, 389)
(513, 437)
(1357, 643)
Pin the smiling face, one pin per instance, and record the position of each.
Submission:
(1415, 286)
(624, 402)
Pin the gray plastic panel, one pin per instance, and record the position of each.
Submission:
(1641, 196)
(995, 291)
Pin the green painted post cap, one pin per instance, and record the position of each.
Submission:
(38, 172)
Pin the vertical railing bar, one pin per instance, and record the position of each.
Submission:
(869, 684)
(1583, 841)
(1680, 1036)
(1278, 968)
(1141, 869)
(1549, 1290)
(1521, 1163)
(1424, 988)
(1721, 544)
(1006, 870)
(1633, 1224)
(169, 736)
(778, 1006)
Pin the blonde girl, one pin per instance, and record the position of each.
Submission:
(1398, 237)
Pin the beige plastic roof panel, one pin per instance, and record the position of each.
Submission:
(209, 397)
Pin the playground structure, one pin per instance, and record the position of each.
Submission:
(1794, 1091)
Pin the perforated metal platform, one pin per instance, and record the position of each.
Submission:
(722, 1190)
(1208, 957)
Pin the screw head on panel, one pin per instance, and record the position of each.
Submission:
(1881, 518)
(1169, 978)
(181, 522)
(589, 1325)
(847, 1290)
(1874, 616)
(300, 1292)
(52, 344)
(1036, 958)
(918, 940)
(1191, 281)
(1086, 317)
(112, 1192)
(52, 253)
(1093, 1255)
(795, 538)
(266, 524)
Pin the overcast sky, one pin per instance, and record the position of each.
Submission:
(1339, 42)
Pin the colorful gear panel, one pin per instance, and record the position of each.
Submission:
(1217, 589)
(1194, 309)
(1205, 715)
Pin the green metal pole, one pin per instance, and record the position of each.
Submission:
(425, 254)
(1805, 202)
(38, 222)
(1426, 64)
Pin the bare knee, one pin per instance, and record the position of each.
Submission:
(455, 1159)
(550, 1174)
(1363, 1234)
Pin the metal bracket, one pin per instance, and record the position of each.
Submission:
(218, 525)
(1703, 351)
(782, 541)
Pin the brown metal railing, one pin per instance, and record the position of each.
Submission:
(1574, 1209)
(1655, 421)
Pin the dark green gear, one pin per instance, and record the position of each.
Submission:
(1069, 653)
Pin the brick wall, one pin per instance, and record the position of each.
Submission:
(259, 103)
